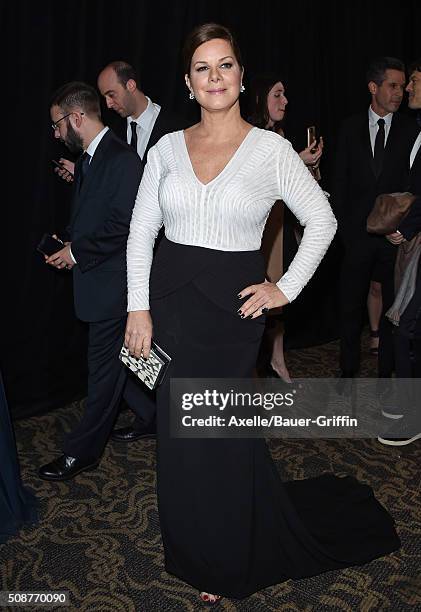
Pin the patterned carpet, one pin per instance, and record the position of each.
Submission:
(99, 535)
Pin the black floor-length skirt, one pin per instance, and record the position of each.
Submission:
(229, 524)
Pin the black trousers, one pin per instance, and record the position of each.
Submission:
(407, 338)
(108, 382)
(407, 342)
(141, 401)
(361, 256)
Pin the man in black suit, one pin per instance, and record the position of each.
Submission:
(141, 125)
(144, 124)
(372, 158)
(407, 337)
(107, 178)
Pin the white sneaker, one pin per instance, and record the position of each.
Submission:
(391, 415)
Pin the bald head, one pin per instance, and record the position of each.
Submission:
(117, 82)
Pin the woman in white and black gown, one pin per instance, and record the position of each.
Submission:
(229, 525)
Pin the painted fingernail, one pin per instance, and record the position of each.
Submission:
(239, 311)
(242, 316)
(239, 296)
(250, 316)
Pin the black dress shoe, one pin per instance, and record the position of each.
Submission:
(65, 468)
(130, 434)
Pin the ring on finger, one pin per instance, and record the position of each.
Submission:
(265, 309)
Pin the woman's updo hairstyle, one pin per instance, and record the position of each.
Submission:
(204, 33)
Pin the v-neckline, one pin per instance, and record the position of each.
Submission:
(229, 162)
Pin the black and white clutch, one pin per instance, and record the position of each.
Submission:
(150, 371)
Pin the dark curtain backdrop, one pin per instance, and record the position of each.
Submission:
(320, 48)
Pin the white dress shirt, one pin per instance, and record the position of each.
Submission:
(145, 123)
(374, 126)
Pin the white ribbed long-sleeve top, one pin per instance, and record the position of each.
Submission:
(228, 213)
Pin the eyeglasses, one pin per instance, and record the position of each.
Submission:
(55, 125)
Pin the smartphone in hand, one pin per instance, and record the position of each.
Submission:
(65, 174)
(49, 245)
(311, 137)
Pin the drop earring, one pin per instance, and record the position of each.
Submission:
(191, 95)
(242, 88)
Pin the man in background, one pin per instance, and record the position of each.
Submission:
(143, 124)
(372, 158)
(107, 178)
(407, 336)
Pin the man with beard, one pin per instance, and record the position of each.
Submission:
(142, 124)
(107, 178)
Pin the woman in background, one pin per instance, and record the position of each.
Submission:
(268, 104)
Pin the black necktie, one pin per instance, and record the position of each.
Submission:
(133, 141)
(379, 147)
(86, 158)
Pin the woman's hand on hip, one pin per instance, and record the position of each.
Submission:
(263, 297)
(138, 336)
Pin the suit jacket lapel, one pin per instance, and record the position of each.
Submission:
(416, 165)
(157, 132)
(81, 191)
(393, 144)
(78, 174)
(76, 190)
(155, 135)
(390, 145)
(95, 163)
(366, 142)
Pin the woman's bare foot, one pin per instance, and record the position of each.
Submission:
(209, 599)
(277, 360)
(281, 370)
(374, 342)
